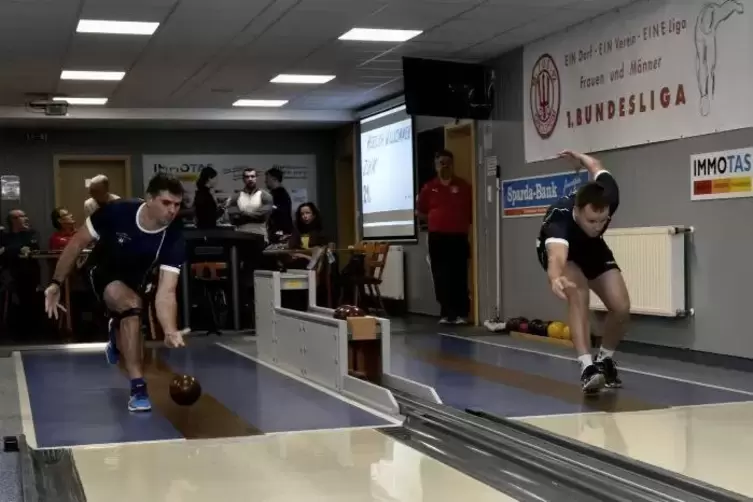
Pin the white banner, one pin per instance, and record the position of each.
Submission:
(721, 175)
(653, 71)
(299, 172)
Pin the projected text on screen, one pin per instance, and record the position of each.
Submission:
(387, 176)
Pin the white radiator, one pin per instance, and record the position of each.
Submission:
(393, 278)
(652, 260)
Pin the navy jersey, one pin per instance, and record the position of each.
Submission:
(559, 222)
(129, 251)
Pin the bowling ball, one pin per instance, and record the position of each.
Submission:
(555, 329)
(340, 311)
(536, 327)
(356, 311)
(523, 328)
(512, 324)
(566, 332)
(185, 390)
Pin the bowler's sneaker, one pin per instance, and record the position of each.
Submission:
(139, 400)
(609, 368)
(592, 379)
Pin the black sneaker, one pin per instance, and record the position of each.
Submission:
(592, 379)
(609, 368)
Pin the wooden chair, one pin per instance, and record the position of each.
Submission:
(375, 259)
(212, 276)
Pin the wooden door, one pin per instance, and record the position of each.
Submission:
(72, 176)
(460, 140)
(345, 183)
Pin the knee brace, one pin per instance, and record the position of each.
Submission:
(119, 316)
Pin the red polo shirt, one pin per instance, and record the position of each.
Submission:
(59, 240)
(448, 207)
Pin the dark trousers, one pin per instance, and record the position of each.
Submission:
(449, 255)
(251, 256)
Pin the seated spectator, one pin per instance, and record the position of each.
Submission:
(65, 227)
(17, 245)
(308, 232)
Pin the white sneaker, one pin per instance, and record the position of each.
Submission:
(444, 320)
(461, 321)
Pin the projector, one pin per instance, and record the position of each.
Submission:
(56, 109)
(49, 107)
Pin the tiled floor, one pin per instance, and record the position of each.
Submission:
(332, 466)
(712, 443)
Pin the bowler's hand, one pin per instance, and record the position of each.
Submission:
(581, 160)
(174, 339)
(52, 301)
(561, 285)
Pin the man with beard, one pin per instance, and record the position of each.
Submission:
(249, 211)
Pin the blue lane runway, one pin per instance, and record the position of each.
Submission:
(518, 383)
(76, 398)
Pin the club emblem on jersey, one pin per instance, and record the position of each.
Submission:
(122, 238)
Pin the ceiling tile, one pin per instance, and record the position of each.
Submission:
(207, 54)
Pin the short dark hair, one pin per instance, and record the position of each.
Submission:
(444, 153)
(592, 194)
(162, 182)
(276, 173)
(249, 170)
(55, 217)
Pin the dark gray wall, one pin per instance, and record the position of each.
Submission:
(655, 191)
(33, 160)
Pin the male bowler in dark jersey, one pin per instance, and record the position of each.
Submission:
(133, 239)
(572, 250)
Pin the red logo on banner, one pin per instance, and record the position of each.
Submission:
(545, 95)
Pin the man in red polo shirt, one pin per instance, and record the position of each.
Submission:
(446, 202)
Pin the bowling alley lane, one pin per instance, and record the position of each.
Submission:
(76, 398)
(335, 466)
(520, 383)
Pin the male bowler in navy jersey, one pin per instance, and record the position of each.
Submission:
(133, 239)
(572, 250)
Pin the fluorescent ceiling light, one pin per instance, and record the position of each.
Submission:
(267, 103)
(116, 27)
(91, 75)
(378, 35)
(82, 101)
(302, 79)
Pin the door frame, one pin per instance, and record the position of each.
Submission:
(58, 159)
(473, 279)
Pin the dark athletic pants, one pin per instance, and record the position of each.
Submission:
(449, 255)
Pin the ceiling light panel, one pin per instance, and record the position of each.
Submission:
(379, 35)
(92, 75)
(302, 79)
(116, 27)
(81, 101)
(264, 103)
